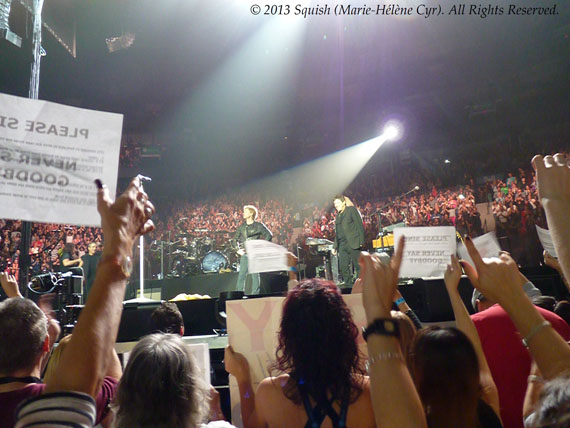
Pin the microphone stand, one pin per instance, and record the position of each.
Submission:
(379, 212)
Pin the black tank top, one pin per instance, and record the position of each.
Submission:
(316, 415)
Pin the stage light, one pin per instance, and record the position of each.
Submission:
(447, 161)
(392, 130)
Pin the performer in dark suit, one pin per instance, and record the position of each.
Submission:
(349, 238)
(90, 262)
(248, 230)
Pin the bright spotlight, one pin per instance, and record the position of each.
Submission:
(392, 130)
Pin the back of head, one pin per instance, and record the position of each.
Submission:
(23, 330)
(444, 366)
(562, 309)
(167, 319)
(407, 331)
(544, 302)
(553, 408)
(160, 386)
(317, 343)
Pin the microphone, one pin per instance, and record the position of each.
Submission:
(417, 188)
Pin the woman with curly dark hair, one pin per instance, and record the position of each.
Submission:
(322, 381)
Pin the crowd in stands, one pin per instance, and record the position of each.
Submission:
(513, 199)
(448, 195)
(505, 366)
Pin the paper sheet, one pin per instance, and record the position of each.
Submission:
(427, 250)
(265, 256)
(487, 245)
(546, 240)
(49, 156)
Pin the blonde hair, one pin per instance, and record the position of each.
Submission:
(161, 386)
(55, 357)
(407, 330)
(252, 208)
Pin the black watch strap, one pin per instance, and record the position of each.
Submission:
(383, 326)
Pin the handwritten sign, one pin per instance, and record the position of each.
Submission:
(427, 250)
(49, 156)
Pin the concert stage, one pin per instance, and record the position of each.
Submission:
(427, 297)
(211, 284)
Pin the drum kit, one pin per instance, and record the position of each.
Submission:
(200, 251)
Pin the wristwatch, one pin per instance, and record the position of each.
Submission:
(383, 326)
(124, 262)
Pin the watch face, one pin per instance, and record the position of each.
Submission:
(389, 326)
(127, 266)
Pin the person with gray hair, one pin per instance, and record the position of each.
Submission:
(23, 338)
(161, 387)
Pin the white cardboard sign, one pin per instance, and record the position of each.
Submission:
(427, 250)
(49, 156)
(487, 245)
(546, 240)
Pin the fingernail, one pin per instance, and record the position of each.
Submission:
(98, 183)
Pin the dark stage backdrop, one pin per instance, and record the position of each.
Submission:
(210, 284)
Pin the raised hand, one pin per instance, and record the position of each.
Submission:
(236, 364)
(553, 177)
(379, 282)
(126, 218)
(9, 285)
(452, 275)
(498, 278)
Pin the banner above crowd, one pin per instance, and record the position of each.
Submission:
(49, 156)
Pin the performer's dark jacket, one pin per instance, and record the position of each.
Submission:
(255, 230)
(350, 223)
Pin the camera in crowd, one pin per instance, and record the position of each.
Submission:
(67, 290)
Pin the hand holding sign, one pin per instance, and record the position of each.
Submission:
(452, 275)
(498, 279)
(379, 282)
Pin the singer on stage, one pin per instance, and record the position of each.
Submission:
(249, 230)
(349, 238)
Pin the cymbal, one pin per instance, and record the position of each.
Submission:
(185, 235)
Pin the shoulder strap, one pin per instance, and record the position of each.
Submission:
(316, 415)
(24, 379)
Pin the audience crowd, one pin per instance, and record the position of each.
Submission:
(505, 366)
(511, 199)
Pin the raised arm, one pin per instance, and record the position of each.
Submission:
(499, 280)
(553, 179)
(465, 324)
(395, 400)
(86, 360)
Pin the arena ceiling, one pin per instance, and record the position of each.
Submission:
(232, 85)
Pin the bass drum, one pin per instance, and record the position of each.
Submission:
(214, 261)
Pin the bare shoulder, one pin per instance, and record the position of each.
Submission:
(361, 413)
(272, 385)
